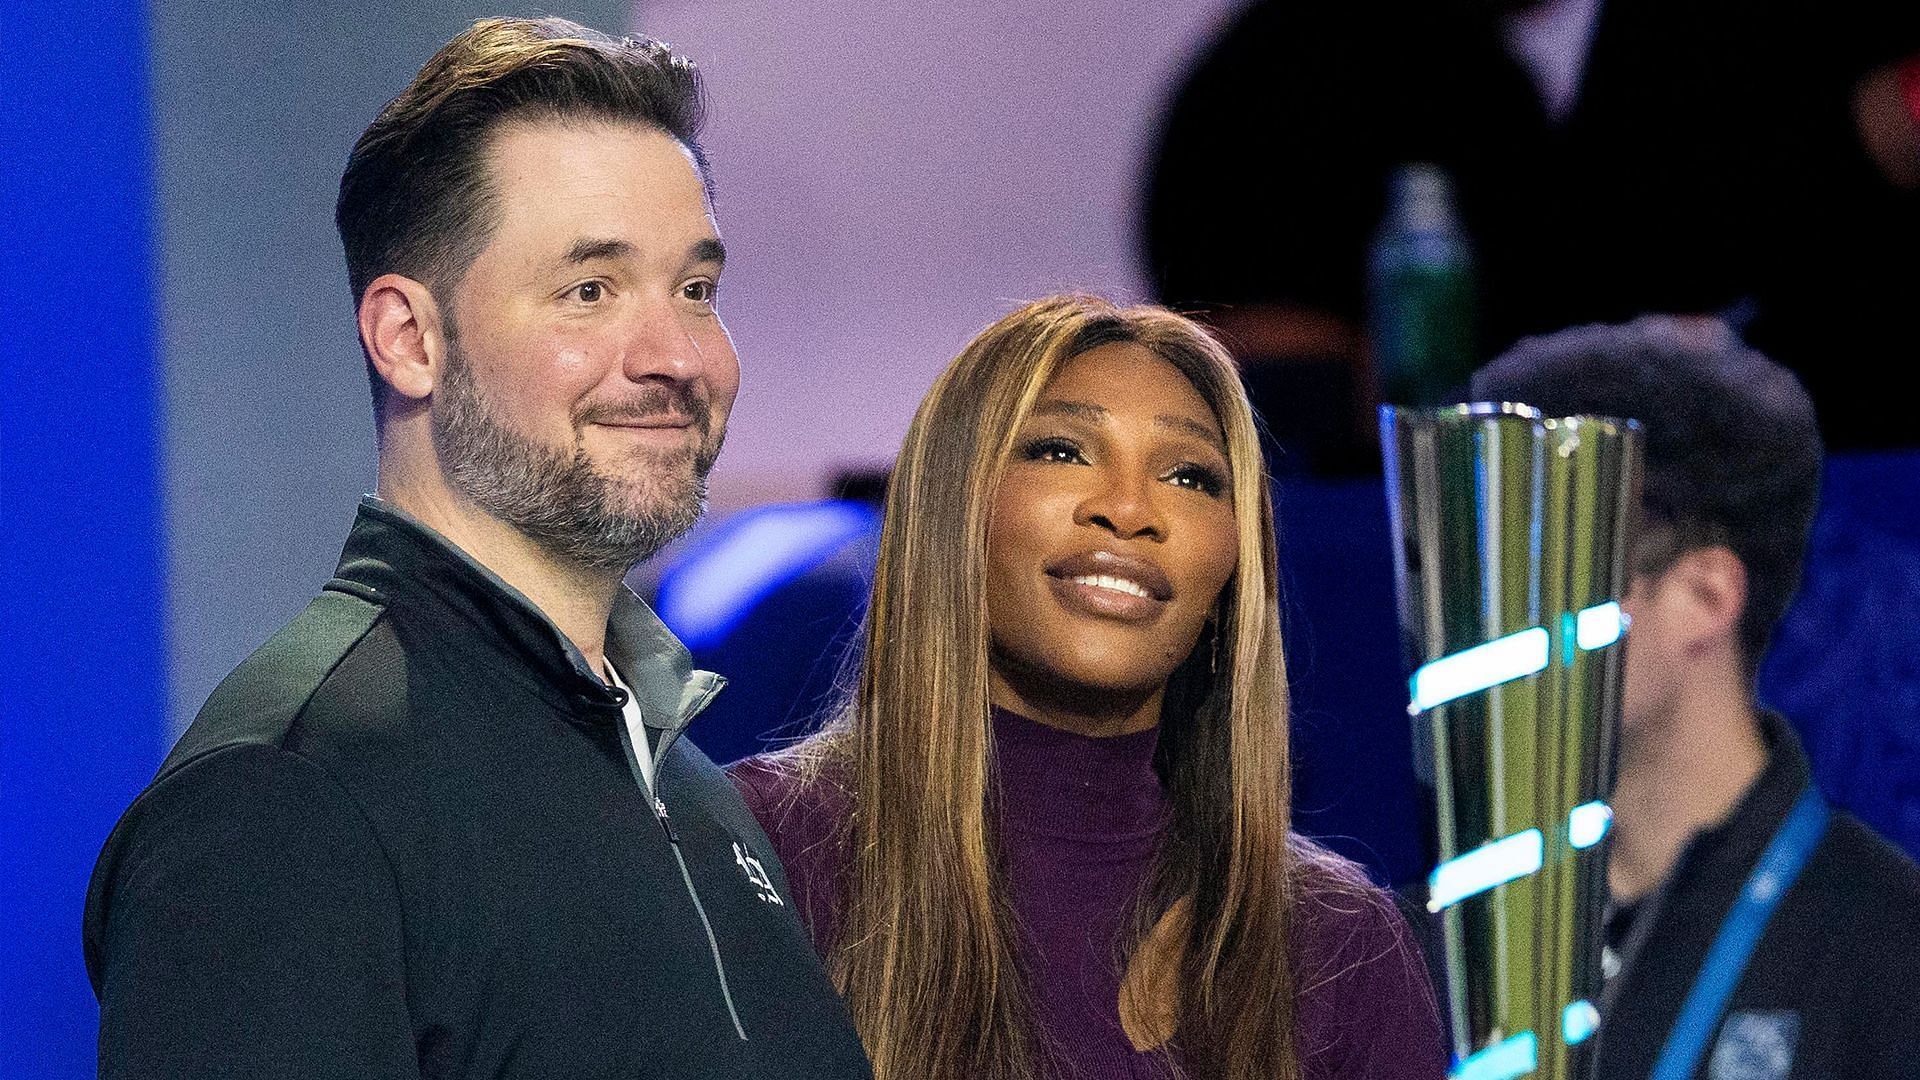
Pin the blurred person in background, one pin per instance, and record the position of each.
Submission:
(1718, 829)
(1050, 834)
(423, 831)
(1605, 157)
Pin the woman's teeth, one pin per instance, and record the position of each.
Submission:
(1104, 581)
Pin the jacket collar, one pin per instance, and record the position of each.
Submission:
(393, 556)
(1714, 864)
(1725, 852)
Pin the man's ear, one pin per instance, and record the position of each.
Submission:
(400, 329)
(1711, 597)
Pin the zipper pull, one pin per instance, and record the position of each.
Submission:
(666, 824)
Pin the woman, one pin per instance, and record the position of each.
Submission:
(1049, 835)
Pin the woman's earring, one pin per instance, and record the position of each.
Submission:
(1213, 649)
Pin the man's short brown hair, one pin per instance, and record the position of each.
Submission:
(415, 198)
(1733, 452)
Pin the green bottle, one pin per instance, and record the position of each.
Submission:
(1421, 291)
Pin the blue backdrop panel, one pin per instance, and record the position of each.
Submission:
(779, 617)
(1354, 785)
(1845, 666)
(81, 674)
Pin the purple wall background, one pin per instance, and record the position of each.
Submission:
(892, 177)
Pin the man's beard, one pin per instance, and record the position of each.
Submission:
(558, 498)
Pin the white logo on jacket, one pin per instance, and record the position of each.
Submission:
(756, 874)
(1756, 1046)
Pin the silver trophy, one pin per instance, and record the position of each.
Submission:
(1510, 541)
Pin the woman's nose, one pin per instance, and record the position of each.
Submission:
(1125, 506)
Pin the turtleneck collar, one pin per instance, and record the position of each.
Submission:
(1058, 783)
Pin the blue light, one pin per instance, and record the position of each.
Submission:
(1600, 625)
(1587, 823)
(1516, 1056)
(1579, 1021)
(1470, 671)
(1485, 867)
(750, 555)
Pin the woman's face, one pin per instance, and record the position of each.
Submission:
(1112, 536)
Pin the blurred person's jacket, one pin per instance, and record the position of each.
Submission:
(1828, 991)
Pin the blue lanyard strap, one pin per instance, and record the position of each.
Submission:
(1786, 855)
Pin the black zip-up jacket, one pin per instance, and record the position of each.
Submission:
(1829, 993)
(406, 838)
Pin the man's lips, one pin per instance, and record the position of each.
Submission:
(668, 433)
(1128, 575)
(666, 418)
(668, 408)
(648, 422)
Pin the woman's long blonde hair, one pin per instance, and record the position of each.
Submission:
(925, 950)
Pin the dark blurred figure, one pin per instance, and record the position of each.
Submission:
(1718, 829)
(1608, 157)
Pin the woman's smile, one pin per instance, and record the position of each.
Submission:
(1109, 585)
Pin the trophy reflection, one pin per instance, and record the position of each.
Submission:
(1509, 548)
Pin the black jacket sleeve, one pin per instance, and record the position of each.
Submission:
(244, 921)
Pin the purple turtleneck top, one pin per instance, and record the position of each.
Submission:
(1081, 819)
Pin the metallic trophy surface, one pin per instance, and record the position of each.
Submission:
(1510, 542)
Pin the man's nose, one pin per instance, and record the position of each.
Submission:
(659, 344)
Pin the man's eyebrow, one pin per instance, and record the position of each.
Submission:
(589, 249)
(1192, 427)
(709, 250)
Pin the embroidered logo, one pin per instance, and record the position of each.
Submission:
(756, 874)
(1756, 1045)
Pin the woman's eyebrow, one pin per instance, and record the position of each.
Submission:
(1079, 410)
(1193, 427)
(1092, 413)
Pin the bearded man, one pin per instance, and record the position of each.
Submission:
(443, 824)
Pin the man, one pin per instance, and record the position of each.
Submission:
(444, 824)
(1714, 808)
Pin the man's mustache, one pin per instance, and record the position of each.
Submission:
(651, 404)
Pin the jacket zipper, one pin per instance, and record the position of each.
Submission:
(713, 943)
(686, 876)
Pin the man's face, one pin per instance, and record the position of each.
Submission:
(1659, 657)
(588, 378)
(1640, 682)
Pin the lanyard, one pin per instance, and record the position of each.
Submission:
(1786, 855)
